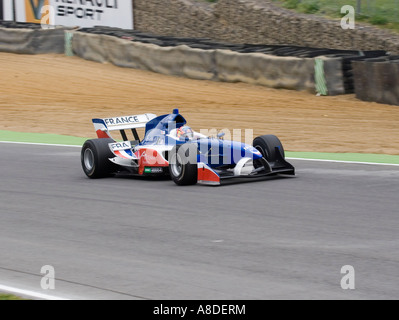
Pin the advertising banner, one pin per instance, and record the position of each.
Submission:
(81, 13)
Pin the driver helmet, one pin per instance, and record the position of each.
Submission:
(185, 132)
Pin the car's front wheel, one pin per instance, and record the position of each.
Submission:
(268, 146)
(183, 164)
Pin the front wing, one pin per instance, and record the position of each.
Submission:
(209, 176)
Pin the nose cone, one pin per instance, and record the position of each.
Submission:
(239, 150)
(256, 154)
(251, 152)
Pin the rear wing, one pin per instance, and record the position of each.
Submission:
(104, 126)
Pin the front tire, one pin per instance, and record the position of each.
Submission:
(267, 145)
(183, 164)
(95, 158)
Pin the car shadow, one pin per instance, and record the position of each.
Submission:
(225, 182)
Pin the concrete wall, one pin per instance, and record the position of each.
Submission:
(255, 21)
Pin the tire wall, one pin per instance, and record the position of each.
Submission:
(334, 76)
(32, 41)
(373, 79)
(221, 65)
(179, 61)
(377, 81)
(262, 69)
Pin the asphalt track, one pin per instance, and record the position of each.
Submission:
(129, 238)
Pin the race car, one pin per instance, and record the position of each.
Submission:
(170, 147)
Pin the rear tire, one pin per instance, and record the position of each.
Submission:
(95, 159)
(267, 146)
(183, 166)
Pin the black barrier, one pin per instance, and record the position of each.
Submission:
(338, 63)
(377, 79)
(208, 44)
(1, 10)
(346, 59)
(19, 25)
(29, 38)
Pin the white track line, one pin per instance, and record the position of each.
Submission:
(348, 162)
(27, 293)
(289, 158)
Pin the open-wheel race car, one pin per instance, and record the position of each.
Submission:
(170, 147)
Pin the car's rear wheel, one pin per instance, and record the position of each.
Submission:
(268, 146)
(95, 159)
(183, 164)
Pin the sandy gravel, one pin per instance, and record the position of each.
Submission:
(57, 94)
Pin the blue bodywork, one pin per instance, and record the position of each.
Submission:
(214, 152)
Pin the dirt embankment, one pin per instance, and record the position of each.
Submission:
(57, 94)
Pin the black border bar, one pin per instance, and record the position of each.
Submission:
(1, 10)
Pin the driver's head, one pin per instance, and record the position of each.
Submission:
(185, 132)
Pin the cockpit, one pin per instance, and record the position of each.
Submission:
(169, 129)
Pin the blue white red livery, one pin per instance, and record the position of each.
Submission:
(170, 147)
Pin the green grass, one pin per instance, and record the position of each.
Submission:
(68, 140)
(382, 13)
(351, 157)
(41, 138)
(4, 297)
